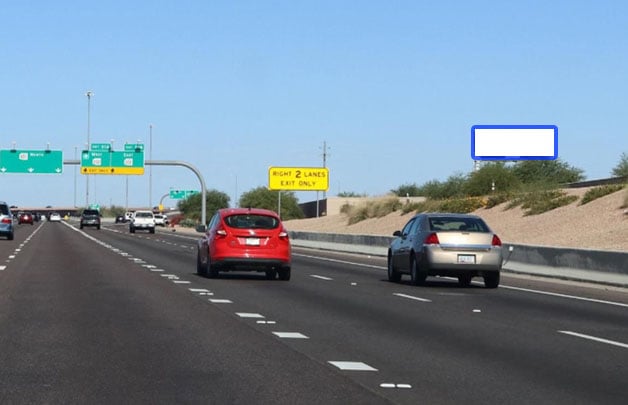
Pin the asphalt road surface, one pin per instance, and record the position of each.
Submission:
(105, 316)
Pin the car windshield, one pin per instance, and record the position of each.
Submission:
(457, 224)
(244, 221)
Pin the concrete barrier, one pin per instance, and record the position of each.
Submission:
(605, 267)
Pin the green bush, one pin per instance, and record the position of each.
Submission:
(496, 199)
(601, 191)
(462, 205)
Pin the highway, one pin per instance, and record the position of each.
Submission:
(105, 316)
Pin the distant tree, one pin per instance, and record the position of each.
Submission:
(621, 169)
(452, 187)
(481, 181)
(546, 172)
(214, 200)
(405, 190)
(262, 197)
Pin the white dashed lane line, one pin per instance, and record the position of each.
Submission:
(321, 277)
(220, 301)
(352, 366)
(411, 297)
(290, 335)
(249, 315)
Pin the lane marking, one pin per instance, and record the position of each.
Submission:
(220, 301)
(2, 267)
(249, 315)
(594, 338)
(199, 290)
(321, 277)
(181, 282)
(393, 385)
(619, 304)
(412, 297)
(290, 335)
(352, 365)
(266, 322)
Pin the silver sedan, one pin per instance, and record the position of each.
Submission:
(445, 244)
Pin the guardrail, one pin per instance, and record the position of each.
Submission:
(605, 267)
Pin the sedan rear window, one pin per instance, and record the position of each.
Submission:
(252, 221)
(457, 224)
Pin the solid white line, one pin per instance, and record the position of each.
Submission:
(412, 297)
(352, 365)
(321, 277)
(596, 339)
(573, 297)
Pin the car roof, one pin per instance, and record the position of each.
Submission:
(243, 211)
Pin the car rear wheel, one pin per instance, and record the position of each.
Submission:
(132, 230)
(201, 270)
(464, 280)
(271, 274)
(10, 236)
(417, 274)
(491, 280)
(212, 271)
(393, 275)
(284, 273)
(152, 230)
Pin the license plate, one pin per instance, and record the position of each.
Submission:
(252, 241)
(466, 259)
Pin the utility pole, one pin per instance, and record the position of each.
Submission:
(150, 170)
(89, 95)
(324, 165)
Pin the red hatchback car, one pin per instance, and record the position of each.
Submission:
(244, 239)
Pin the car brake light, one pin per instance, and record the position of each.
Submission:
(496, 241)
(6, 220)
(432, 239)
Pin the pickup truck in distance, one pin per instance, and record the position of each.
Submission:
(142, 220)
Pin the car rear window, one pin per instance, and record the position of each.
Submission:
(143, 215)
(252, 221)
(90, 212)
(457, 224)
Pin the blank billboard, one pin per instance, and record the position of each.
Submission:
(514, 142)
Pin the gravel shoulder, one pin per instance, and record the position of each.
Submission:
(600, 225)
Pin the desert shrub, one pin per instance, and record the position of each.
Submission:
(496, 199)
(625, 205)
(462, 205)
(346, 208)
(373, 209)
(601, 191)
(538, 202)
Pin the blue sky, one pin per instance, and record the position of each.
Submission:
(234, 87)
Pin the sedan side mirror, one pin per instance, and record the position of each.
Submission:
(397, 233)
(201, 228)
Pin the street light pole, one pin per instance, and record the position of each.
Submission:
(150, 170)
(89, 95)
(75, 149)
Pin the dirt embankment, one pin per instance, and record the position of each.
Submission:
(601, 224)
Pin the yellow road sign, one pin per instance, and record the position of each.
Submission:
(112, 170)
(298, 178)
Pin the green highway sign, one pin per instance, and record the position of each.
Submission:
(31, 161)
(134, 147)
(100, 147)
(110, 162)
(181, 194)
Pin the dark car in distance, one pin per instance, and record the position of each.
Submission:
(90, 217)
